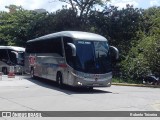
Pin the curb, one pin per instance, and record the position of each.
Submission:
(136, 85)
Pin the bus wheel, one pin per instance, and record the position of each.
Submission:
(32, 73)
(59, 79)
(4, 70)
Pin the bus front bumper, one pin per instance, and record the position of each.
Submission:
(98, 80)
(92, 82)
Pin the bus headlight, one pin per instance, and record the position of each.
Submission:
(109, 84)
(79, 83)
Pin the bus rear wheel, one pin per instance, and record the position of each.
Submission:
(59, 79)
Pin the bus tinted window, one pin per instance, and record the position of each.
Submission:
(52, 45)
(12, 56)
(29, 48)
(3, 55)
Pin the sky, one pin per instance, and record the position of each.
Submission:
(53, 5)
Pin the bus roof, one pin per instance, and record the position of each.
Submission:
(15, 48)
(73, 34)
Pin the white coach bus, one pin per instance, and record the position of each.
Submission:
(71, 57)
(11, 56)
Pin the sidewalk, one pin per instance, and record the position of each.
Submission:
(136, 85)
(5, 78)
(17, 81)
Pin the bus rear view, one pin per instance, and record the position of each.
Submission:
(84, 60)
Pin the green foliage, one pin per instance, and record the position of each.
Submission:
(152, 53)
(144, 59)
(84, 6)
(136, 65)
(66, 19)
(21, 25)
(123, 80)
(144, 56)
(151, 21)
(119, 26)
(14, 27)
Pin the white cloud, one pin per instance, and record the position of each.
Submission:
(49, 5)
(154, 2)
(122, 3)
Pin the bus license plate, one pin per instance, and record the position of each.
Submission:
(95, 84)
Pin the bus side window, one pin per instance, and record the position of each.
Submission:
(55, 46)
(3, 55)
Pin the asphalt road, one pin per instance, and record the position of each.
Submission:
(26, 94)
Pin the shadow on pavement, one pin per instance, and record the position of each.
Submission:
(66, 89)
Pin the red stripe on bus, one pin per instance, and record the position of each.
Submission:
(63, 65)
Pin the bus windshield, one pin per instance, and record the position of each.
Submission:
(16, 57)
(92, 57)
(20, 58)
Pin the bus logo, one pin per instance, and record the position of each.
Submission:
(6, 114)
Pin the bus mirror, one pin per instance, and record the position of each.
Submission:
(114, 52)
(15, 53)
(73, 48)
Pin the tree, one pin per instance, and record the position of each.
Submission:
(13, 8)
(5, 27)
(151, 21)
(84, 6)
(22, 25)
(66, 19)
(118, 25)
(144, 57)
(19, 26)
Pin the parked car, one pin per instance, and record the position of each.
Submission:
(151, 79)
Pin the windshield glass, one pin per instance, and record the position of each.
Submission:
(20, 55)
(13, 56)
(20, 58)
(92, 57)
(16, 57)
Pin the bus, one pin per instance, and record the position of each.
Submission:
(73, 58)
(11, 56)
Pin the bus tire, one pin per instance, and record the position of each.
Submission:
(4, 70)
(59, 79)
(32, 73)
